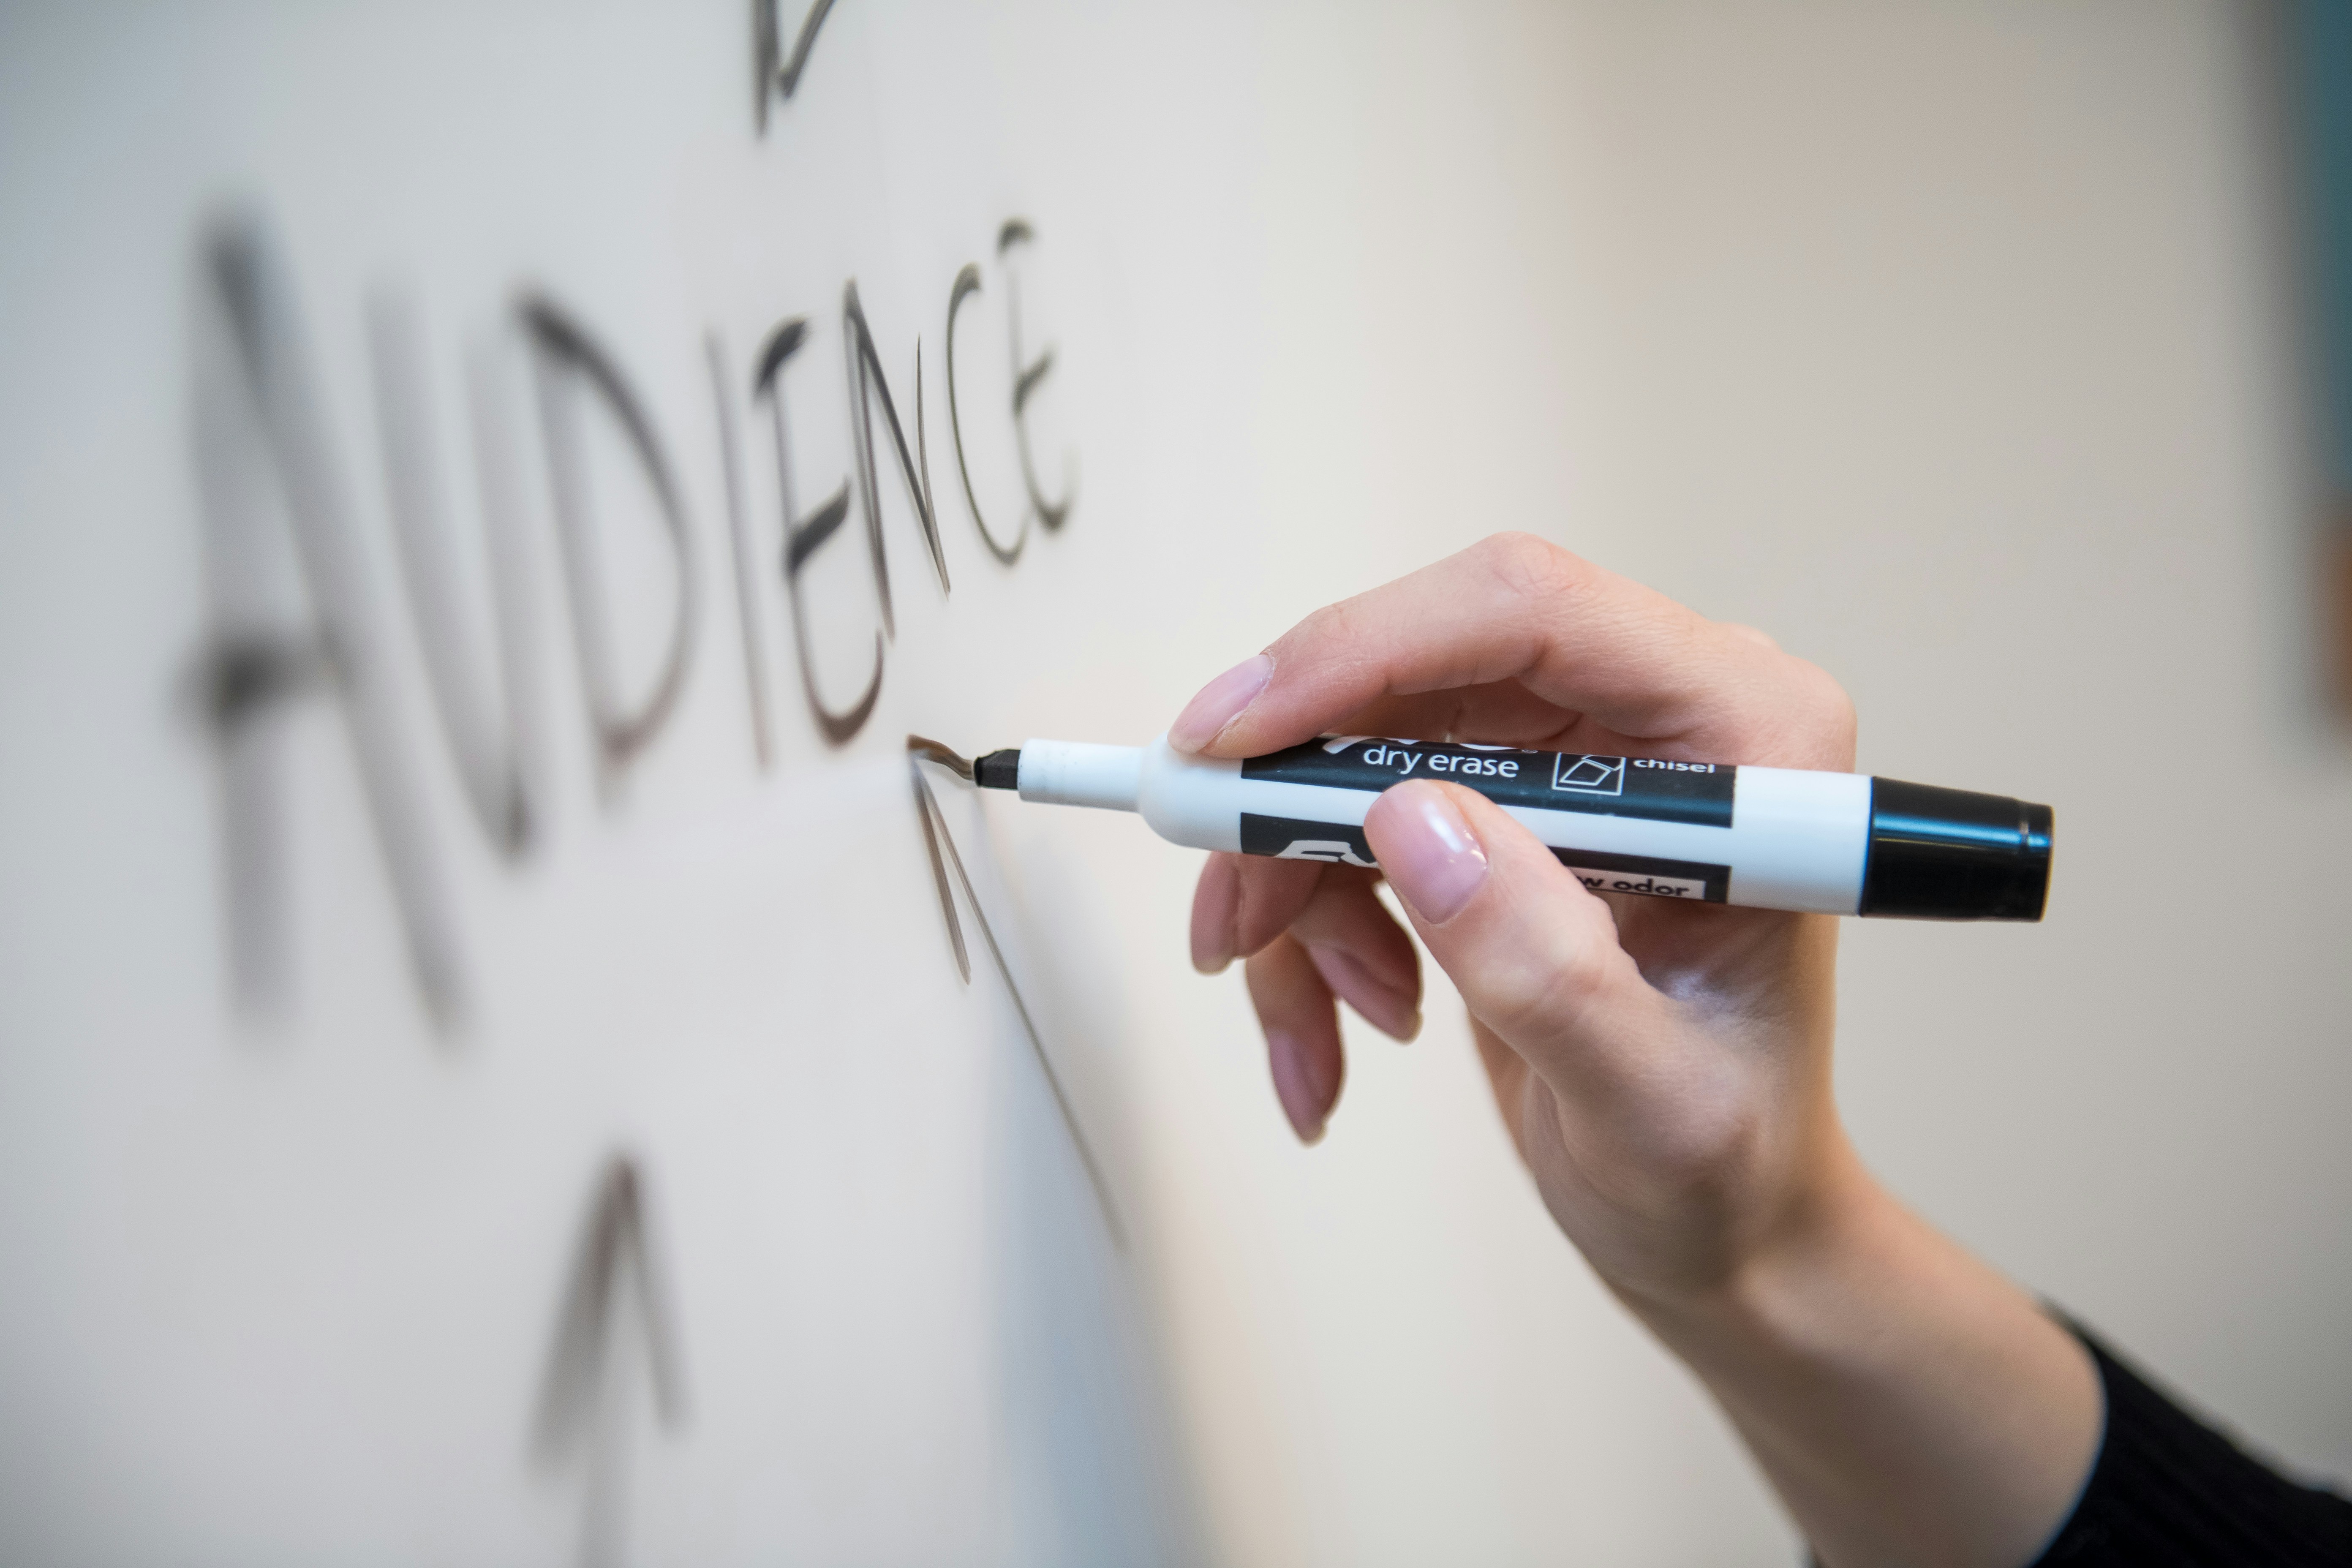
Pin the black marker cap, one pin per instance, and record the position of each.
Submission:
(1951, 855)
(998, 770)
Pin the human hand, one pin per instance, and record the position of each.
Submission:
(1663, 1067)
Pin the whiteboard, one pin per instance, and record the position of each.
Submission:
(387, 1174)
(510, 1057)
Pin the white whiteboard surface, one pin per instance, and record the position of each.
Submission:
(613, 1161)
(1943, 344)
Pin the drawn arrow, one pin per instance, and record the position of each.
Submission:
(944, 859)
(580, 1403)
(776, 72)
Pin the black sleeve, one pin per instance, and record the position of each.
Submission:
(2169, 1491)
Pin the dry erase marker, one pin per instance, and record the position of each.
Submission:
(1774, 838)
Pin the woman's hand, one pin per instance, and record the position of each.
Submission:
(1663, 1067)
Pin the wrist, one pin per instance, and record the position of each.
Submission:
(1908, 1402)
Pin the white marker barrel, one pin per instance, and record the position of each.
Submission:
(1774, 838)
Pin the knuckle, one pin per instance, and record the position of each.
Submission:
(1812, 720)
(1530, 567)
(1829, 710)
(1334, 627)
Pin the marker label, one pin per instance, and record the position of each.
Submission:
(1818, 843)
(1696, 793)
(1649, 875)
(1296, 839)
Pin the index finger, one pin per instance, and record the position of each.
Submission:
(1514, 608)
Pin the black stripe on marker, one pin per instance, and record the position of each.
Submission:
(1297, 838)
(1649, 787)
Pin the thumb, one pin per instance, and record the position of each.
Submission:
(1534, 955)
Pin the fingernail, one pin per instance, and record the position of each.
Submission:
(1212, 950)
(1214, 904)
(1389, 1010)
(1293, 1085)
(1431, 857)
(1219, 703)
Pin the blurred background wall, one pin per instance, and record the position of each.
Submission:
(1962, 348)
(1966, 348)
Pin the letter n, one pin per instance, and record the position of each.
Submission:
(867, 385)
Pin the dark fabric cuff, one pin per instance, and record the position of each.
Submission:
(2169, 1491)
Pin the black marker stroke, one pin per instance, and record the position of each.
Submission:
(489, 766)
(578, 1406)
(944, 859)
(967, 284)
(770, 70)
(1026, 380)
(738, 540)
(865, 383)
(262, 451)
(568, 358)
(803, 535)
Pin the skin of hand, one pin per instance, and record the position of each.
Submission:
(1664, 1068)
